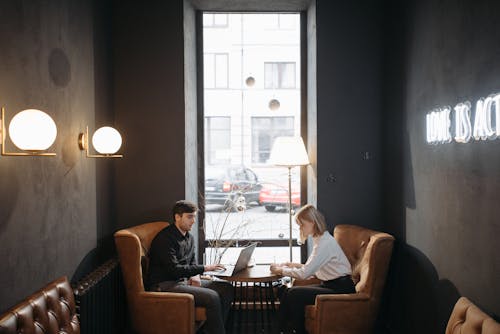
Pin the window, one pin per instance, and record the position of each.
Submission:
(279, 75)
(264, 131)
(217, 140)
(245, 198)
(216, 70)
(215, 20)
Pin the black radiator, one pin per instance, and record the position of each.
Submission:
(100, 300)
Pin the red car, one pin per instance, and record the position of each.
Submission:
(274, 195)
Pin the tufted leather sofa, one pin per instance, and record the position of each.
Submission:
(467, 318)
(369, 253)
(49, 311)
(152, 312)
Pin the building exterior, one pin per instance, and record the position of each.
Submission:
(250, 62)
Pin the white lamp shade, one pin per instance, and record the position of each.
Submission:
(32, 130)
(107, 140)
(289, 151)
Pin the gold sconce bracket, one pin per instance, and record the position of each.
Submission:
(82, 141)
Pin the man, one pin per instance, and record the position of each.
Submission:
(172, 267)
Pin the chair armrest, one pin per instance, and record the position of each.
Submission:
(307, 281)
(340, 307)
(342, 298)
(164, 312)
(341, 312)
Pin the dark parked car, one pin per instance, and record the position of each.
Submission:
(224, 185)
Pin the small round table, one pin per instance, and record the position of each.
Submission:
(262, 280)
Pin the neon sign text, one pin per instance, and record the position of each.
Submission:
(486, 122)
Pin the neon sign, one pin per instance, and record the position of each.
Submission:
(486, 122)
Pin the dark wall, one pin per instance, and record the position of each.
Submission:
(47, 204)
(348, 112)
(104, 116)
(441, 200)
(149, 108)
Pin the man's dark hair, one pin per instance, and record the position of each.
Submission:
(183, 206)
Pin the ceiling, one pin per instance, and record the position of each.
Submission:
(251, 5)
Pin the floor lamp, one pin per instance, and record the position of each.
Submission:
(289, 152)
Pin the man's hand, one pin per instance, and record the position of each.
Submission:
(214, 267)
(195, 281)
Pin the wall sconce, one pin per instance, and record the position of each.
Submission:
(106, 141)
(31, 130)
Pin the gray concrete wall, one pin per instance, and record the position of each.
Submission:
(47, 205)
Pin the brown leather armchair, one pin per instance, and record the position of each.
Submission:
(467, 318)
(369, 253)
(152, 312)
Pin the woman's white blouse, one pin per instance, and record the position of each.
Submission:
(327, 261)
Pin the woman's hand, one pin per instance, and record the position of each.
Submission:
(276, 269)
(292, 265)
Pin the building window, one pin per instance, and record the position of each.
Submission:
(280, 22)
(264, 131)
(215, 20)
(217, 140)
(216, 70)
(279, 75)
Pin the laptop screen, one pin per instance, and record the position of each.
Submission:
(244, 258)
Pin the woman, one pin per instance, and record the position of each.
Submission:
(327, 262)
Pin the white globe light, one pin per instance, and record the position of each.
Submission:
(32, 130)
(107, 140)
(250, 81)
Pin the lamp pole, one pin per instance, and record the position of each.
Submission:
(242, 92)
(290, 208)
(289, 152)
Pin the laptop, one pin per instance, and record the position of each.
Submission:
(241, 263)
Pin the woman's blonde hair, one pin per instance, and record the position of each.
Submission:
(309, 213)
